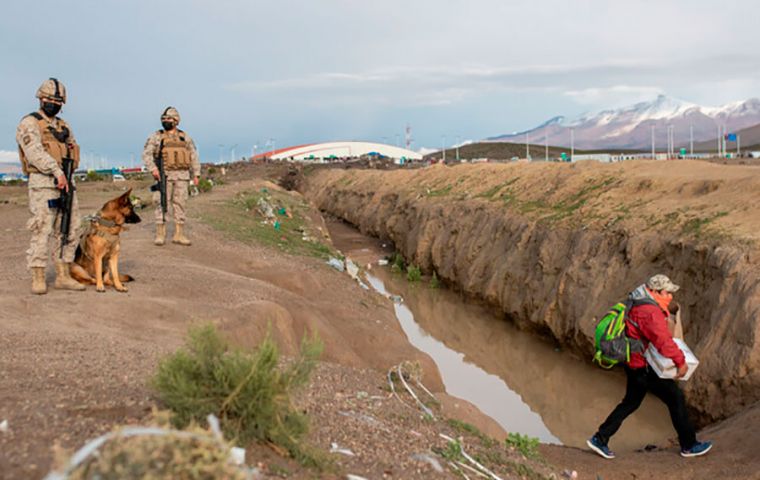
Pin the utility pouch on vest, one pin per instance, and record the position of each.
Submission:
(54, 203)
(176, 152)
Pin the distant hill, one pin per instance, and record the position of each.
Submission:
(508, 150)
(631, 127)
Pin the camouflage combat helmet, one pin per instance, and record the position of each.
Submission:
(170, 113)
(52, 89)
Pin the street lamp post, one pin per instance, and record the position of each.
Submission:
(443, 147)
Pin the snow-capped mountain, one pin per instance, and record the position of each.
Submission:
(631, 127)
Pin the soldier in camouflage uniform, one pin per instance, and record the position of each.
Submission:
(181, 165)
(43, 141)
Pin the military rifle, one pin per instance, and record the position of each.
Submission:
(66, 199)
(160, 185)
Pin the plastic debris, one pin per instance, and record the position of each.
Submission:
(276, 224)
(237, 456)
(4, 426)
(336, 264)
(354, 477)
(382, 262)
(352, 269)
(335, 448)
(265, 208)
(282, 211)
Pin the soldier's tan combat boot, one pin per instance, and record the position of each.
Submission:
(160, 234)
(39, 287)
(179, 236)
(63, 280)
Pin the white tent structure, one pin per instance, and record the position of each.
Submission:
(334, 150)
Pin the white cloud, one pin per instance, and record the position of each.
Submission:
(9, 156)
(614, 96)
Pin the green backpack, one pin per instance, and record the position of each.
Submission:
(610, 341)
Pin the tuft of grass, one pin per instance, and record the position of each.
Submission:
(441, 192)
(525, 444)
(435, 283)
(464, 427)
(413, 273)
(697, 226)
(246, 390)
(397, 263)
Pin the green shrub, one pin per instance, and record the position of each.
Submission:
(246, 390)
(205, 185)
(525, 444)
(93, 176)
(434, 281)
(413, 273)
(211, 170)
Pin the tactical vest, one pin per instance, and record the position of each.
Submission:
(175, 150)
(55, 141)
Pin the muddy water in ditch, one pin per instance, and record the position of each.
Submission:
(524, 383)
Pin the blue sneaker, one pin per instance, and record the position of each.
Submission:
(699, 448)
(597, 446)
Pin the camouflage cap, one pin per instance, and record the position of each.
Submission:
(662, 282)
(52, 89)
(170, 113)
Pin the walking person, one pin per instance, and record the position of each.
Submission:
(181, 165)
(646, 321)
(44, 140)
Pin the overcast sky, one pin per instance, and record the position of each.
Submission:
(243, 71)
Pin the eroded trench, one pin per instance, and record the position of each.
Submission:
(547, 283)
(526, 384)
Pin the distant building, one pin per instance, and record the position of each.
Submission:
(340, 150)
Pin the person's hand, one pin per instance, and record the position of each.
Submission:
(195, 181)
(682, 371)
(61, 183)
(155, 174)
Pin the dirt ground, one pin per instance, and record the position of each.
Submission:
(74, 365)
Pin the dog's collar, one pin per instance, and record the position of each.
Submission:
(103, 222)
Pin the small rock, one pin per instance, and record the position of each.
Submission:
(4, 426)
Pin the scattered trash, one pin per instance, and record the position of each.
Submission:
(336, 264)
(335, 448)
(276, 224)
(4, 426)
(571, 474)
(354, 477)
(424, 457)
(282, 211)
(382, 262)
(396, 298)
(264, 190)
(362, 284)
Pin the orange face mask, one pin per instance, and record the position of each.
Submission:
(663, 299)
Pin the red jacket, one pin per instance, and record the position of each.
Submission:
(652, 328)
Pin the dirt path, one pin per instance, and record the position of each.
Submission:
(73, 365)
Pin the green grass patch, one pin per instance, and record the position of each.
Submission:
(525, 444)
(489, 194)
(441, 192)
(240, 218)
(464, 427)
(248, 391)
(697, 226)
(413, 273)
(435, 282)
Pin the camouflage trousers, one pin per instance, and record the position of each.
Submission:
(46, 222)
(176, 198)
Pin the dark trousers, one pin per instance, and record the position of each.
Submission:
(641, 381)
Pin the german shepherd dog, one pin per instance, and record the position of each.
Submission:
(97, 258)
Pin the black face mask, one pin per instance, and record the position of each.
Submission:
(167, 125)
(51, 109)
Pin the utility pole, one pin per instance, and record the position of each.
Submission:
(691, 140)
(232, 153)
(457, 147)
(653, 153)
(546, 143)
(221, 147)
(443, 147)
(572, 145)
(527, 146)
